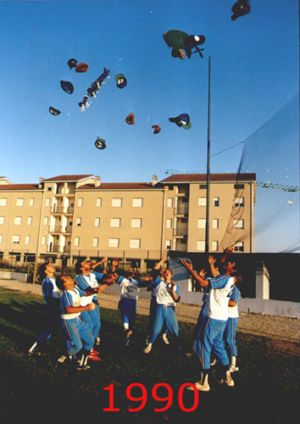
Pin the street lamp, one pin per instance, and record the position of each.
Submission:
(208, 164)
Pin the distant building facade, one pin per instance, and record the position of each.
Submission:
(71, 216)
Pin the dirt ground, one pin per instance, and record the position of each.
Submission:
(286, 330)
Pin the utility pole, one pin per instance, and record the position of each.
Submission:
(208, 165)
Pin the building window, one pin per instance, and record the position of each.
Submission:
(216, 201)
(136, 223)
(168, 244)
(99, 202)
(116, 203)
(49, 188)
(215, 246)
(29, 220)
(215, 223)
(170, 202)
(202, 186)
(20, 201)
(135, 244)
(18, 220)
(202, 201)
(2, 219)
(27, 239)
(115, 222)
(15, 239)
(238, 223)
(95, 242)
(97, 222)
(47, 203)
(169, 223)
(238, 186)
(76, 241)
(201, 223)
(43, 240)
(3, 202)
(78, 222)
(239, 201)
(137, 202)
(80, 202)
(239, 246)
(201, 245)
(1, 238)
(46, 220)
(113, 242)
(31, 201)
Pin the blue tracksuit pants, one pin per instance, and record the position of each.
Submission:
(166, 314)
(77, 335)
(209, 336)
(229, 335)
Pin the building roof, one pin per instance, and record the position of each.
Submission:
(189, 178)
(68, 177)
(19, 187)
(123, 186)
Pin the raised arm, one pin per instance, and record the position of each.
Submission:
(162, 261)
(198, 277)
(214, 270)
(103, 260)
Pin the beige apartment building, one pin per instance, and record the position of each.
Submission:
(71, 216)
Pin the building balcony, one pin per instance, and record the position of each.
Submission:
(62, 210)
(180, 232)
(57, 248)
(60, 229)
(182, 211)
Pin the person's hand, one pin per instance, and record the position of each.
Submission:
(185, 263)
(211, 260)
(91, 306)
(202, 273)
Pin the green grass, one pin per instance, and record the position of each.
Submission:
(266, 389)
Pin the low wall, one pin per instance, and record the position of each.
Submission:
(12, 275)
(280, 308)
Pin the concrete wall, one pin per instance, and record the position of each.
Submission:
(9, 275)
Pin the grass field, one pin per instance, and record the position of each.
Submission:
(267, 387)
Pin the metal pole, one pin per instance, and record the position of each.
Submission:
(208, 165)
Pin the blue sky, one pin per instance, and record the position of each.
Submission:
(254, 73)
(255, 68)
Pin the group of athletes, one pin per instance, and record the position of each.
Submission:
(72, 305)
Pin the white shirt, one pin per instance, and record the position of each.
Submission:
(216, 306)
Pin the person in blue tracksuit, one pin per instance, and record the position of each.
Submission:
(231, 326)
(129, 289)
(88, 280)
(157, 272)
(213, 320)
(167, 295)
(79, 339)
(51, 296)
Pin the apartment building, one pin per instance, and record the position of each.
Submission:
(71, 216)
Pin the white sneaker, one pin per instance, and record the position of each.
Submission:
(148, 348)
(201, 386)
(228, 380)
(165, 339)
(233, 368)
(61, 359)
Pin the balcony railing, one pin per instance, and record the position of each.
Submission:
(60, 229)
(60, 209)
(182, 210)
(180, 232)
(56, 248)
